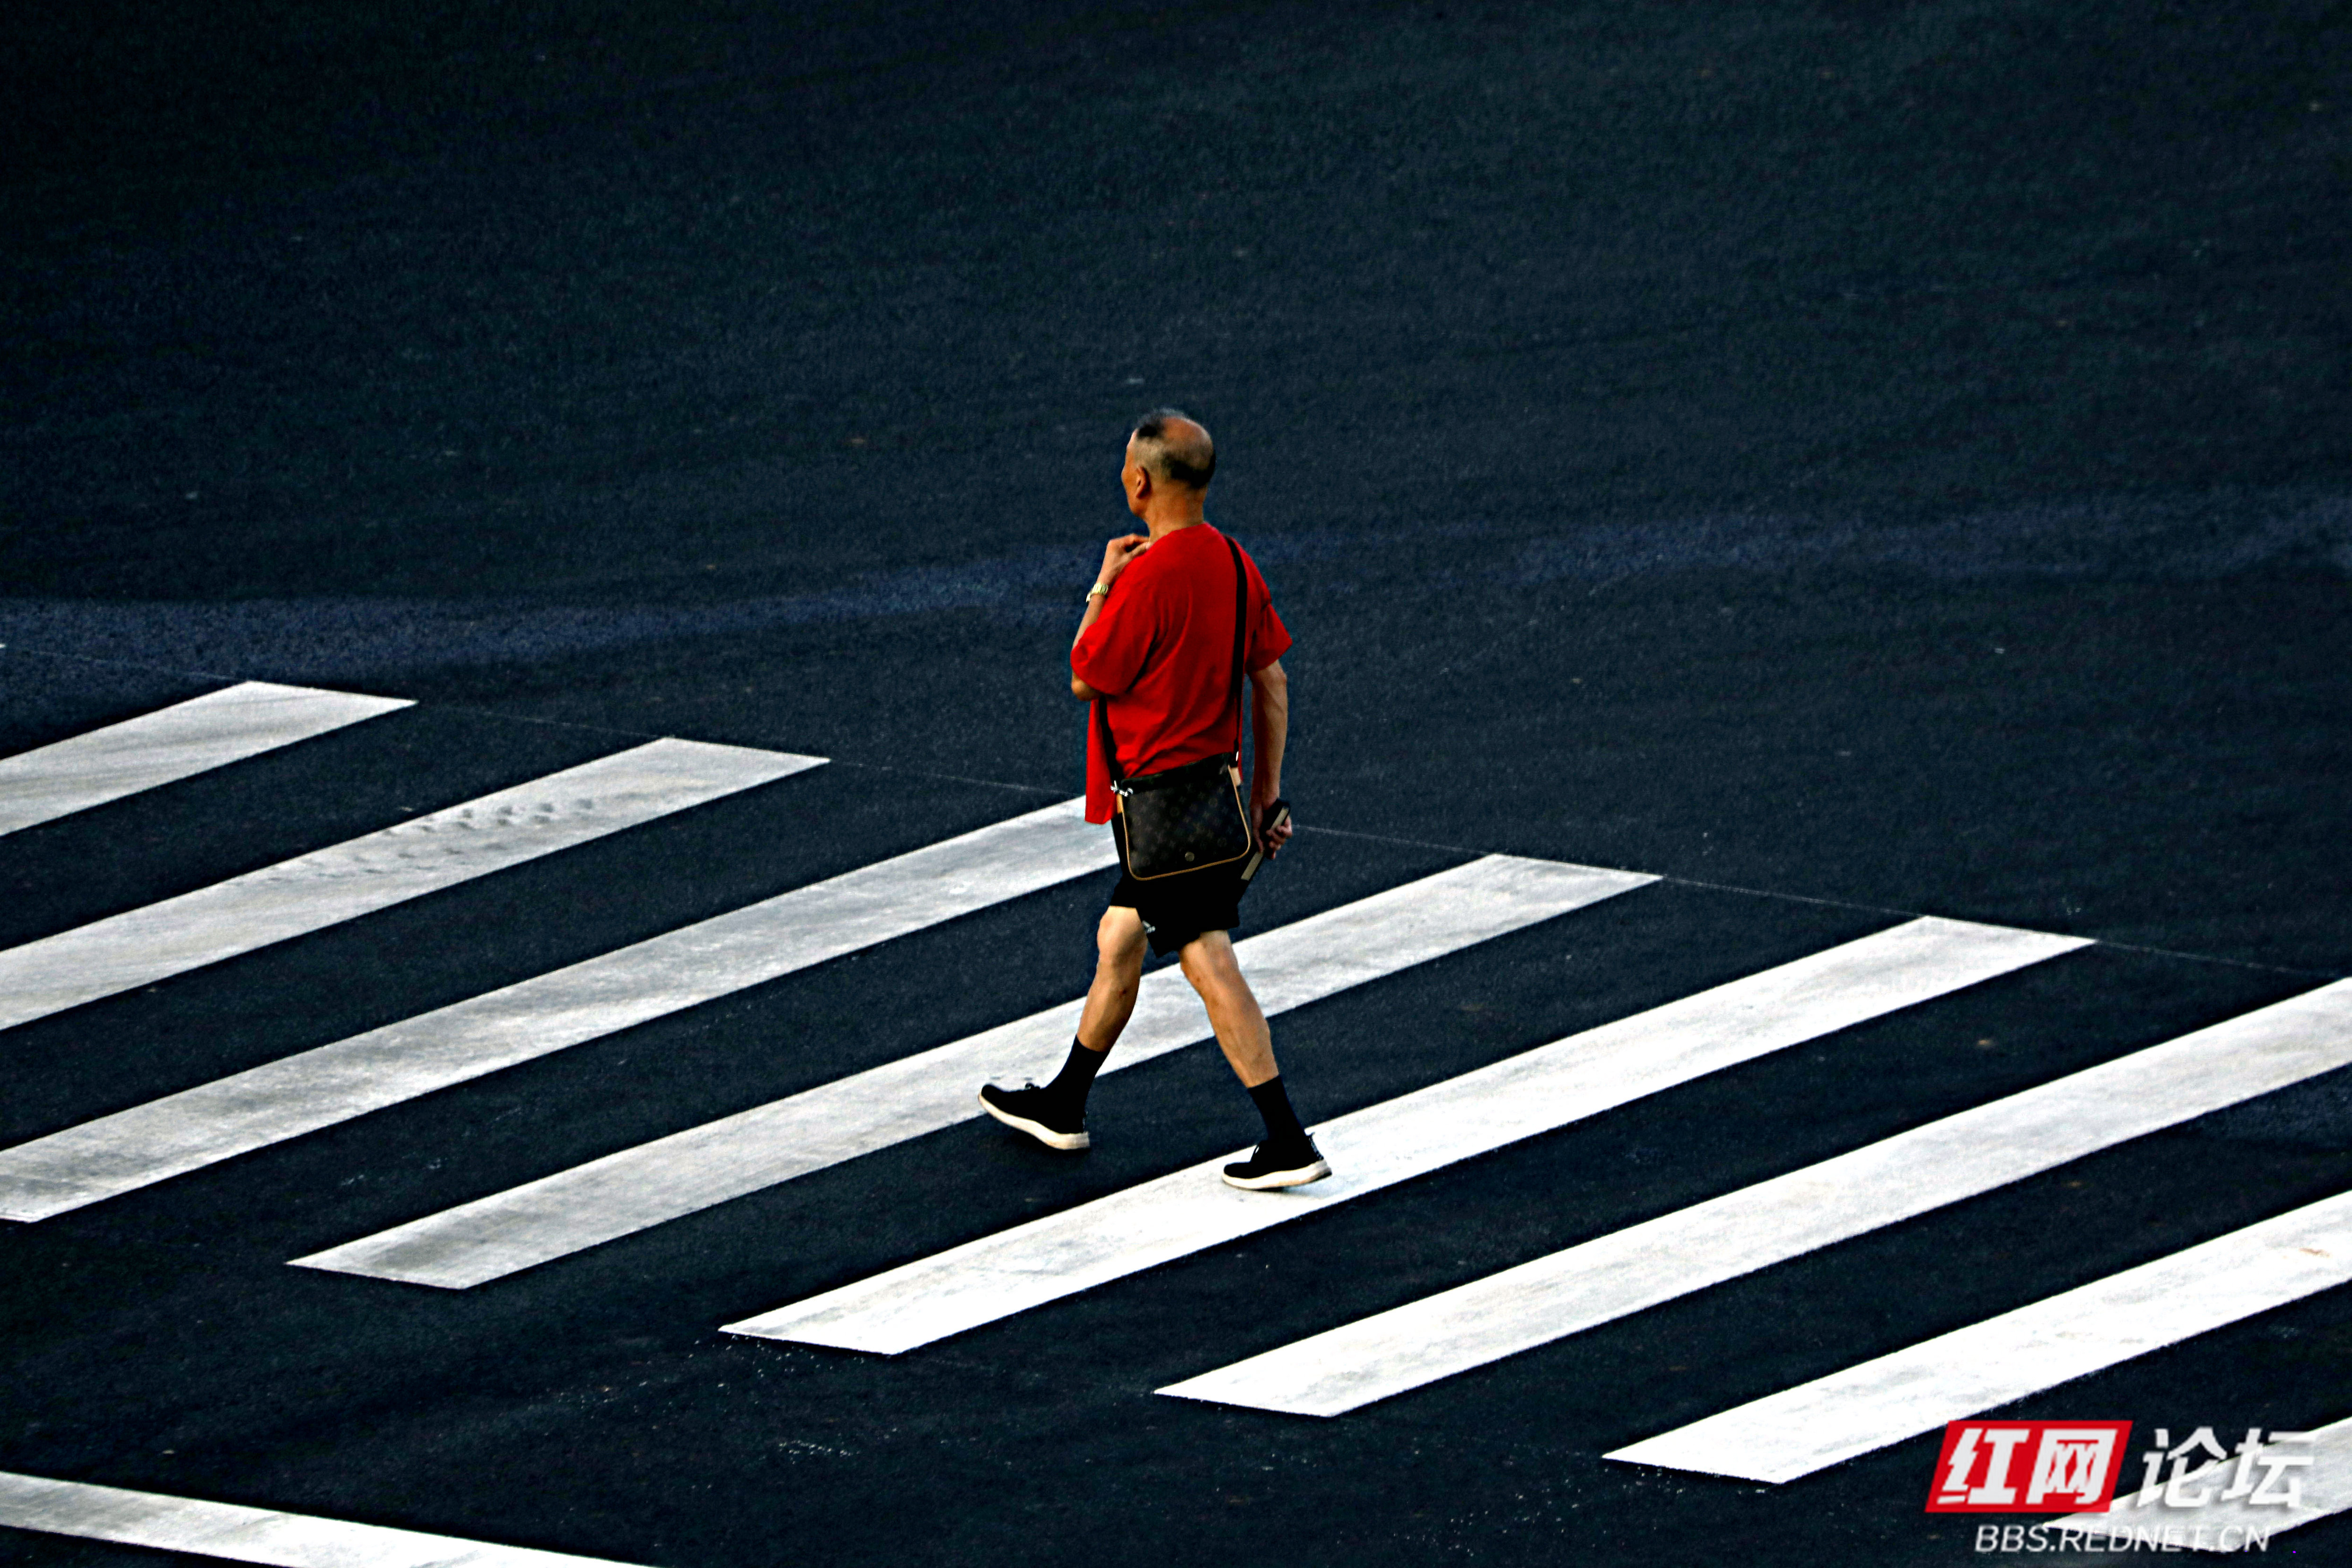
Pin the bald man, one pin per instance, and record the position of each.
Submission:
(1156, 649)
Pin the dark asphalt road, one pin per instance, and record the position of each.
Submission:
(1846, 459)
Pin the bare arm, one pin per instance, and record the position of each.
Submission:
(1117, 556)
(1270, 719)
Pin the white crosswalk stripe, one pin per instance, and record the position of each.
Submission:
(2219, 1522)
(155, 749)
(241, 1534)
(1939, 1164)
(375, 871)
(548, 1013)
(691, 1171)
(1534, 1092)
(1987, 1364)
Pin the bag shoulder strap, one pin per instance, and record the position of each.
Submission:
(1241, 619)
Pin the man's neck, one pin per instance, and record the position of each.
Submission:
(1162, 525)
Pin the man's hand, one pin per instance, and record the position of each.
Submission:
(1119, 555)
(1260, 798)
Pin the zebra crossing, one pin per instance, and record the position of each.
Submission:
(347, 881)
(1453, 915)
(532, 1018)
(248, 1534)
(1992, 1363)
(1881, 1185)
(170, 744)
(691, 1171)
(1540, 1091)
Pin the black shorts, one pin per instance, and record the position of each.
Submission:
(1177, 908)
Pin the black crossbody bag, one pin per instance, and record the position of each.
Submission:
(1189, 818)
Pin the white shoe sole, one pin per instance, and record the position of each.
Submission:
(1068, 1143)
(1272, 1179)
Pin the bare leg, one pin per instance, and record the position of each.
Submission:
(1210, 964)
(1119, 971)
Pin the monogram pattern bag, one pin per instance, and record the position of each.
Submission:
(1188, 818)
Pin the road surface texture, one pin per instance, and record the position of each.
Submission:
(1819, 542)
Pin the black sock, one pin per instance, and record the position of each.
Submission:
(1078, 1075)
(1274, 1104)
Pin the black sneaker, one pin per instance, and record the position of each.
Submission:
(1032, 1110)
(1279, 1166)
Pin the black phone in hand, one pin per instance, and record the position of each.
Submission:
(1276, 815)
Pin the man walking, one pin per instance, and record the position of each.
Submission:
(1155, 649)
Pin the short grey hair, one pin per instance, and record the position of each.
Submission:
(1174, 454)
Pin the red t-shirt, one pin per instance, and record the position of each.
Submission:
(1162, 652)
